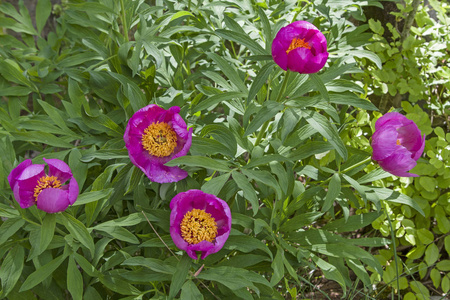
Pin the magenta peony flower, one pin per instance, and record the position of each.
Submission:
(31, 185)
(397, 144)
(300, 47)
(199, 222)
(155, 136)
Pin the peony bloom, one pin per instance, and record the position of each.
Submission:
(199, 222)
(300, 47)
(31, 185)
(397, 144)
(155, 136)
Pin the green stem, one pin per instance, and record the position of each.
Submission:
(357, 165)
(124, 21)
(261, 133)
(395, 251)
(283, 86)
(349, 168)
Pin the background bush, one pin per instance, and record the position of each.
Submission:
(293, 163)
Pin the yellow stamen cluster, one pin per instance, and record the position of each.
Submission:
(197, 226)
(159, 139)
(46, 182)
(398, 142)
(297, 43)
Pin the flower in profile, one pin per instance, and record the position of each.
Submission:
(397, 144)
(32, 185)
(199, 222)
(300, 47)
(155, 136)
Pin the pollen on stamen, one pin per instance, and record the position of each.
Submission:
(46, 182)
(398, 142)
(197, 226)
(298, 43)
(159, 139)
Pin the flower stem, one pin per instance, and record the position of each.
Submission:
(124, 21)
(283, 86)
(357, 165)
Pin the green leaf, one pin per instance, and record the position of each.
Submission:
(214, 185)
(12, 72)
(79, 231)
(327, 130)
(180, 275)
(229, 71)
(11, 269)
(151, 263)
(181, 14)
(223, 135)
(365, 54)
(74, 280)
(277, 267)
(330, 272)
(200, 162)
(89, 197)
(352, 100)
(213, 100)
(243, 39)
(359, 270)
(260, 80)
(131, 90)
(353, 223)
(309, 149)
(9, 227)
(42, 273)
(47, 231)
(249, 192)
(267, 112)
(431, 254)
(376, 174)
(105, 155)
(443, 265)
(41, 137)
(300, 221)
(320, 86)
(264, 177)
(334, 189)
(396, 197)
(43, 11)
(189, 291)
(232, 278)
(246, 244)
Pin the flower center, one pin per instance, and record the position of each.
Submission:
(159, 139)
(197, 226)
(46, 182)
(297, 43)
(398, 142)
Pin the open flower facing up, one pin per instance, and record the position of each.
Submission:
(199, 222)
(300, 47)
(31, 185)
(155, 136)
(397, 144)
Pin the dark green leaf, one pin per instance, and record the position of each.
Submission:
(42, 273)
(189, 291)
(74, 280)
(11, 269)
(200, 162)
(179, 277)
(260, 80)
(9, 227)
